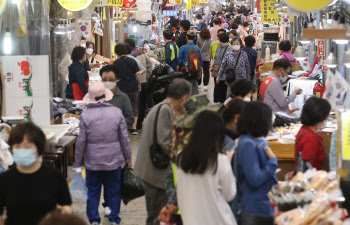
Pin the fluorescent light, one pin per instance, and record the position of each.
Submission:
(7, 42)
(331, 61)
(14, 1)
(341, 42)
(305, 42)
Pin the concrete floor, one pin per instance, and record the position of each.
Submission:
(135, 212)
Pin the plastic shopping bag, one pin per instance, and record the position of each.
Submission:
(132, 187)
(78, 189)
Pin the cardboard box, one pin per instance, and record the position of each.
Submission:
(67, 115)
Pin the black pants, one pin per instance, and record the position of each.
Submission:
(220, 91)
(206, 73)
(144, 103)
(255, 219)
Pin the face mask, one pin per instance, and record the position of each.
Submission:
(219, 17)
(109, 85)
(284, 79)
(24, 157)
(83, 45)
(236, 47)
(230, 40)
(246, 99)
(89, 51)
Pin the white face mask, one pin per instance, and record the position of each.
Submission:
(284, 79)
(246, 99)
(83, 45)
(236, 47)
(219, 17)
(89, 51)
(230, 40)
(109, 85)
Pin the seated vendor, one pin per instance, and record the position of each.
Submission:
(271, 90)
(308, 142)
(285, 48)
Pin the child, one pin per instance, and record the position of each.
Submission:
(171, 51)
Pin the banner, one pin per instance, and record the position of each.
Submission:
(2, 5)
(26, 81)
(188, 5)
(345, 117)
(178, 2)
(194, 3)
(74, 5)
(169, 13)
(285, 21)
(308, 5)
(268, 12)
(115, 3)
(98, 28)
(85, 28)
(321, 48)
(204, 1)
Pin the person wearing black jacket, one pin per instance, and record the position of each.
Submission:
(185, 25)
(78, 76)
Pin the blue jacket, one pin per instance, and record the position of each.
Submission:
(77, 74)
(252, 55)
(171, 55)
(183, 53)
(254, 178)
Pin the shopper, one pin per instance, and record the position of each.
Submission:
(103, 143)
(30, 190)
(221, 18)
(220, 88)
(141, 68)
(214, 30)
(205, 182)
(171, 51)
(308, 142)
(204, 43)
(201, 23)
(252, 54)
(169, 110)
(243, 89)
(236, 60)
(185, 26)
(271, 90)
(255, 178)
(215, 45)
(214, 16)
(129, 78)
(120, 99)
(90, 51)
(243, 31)
(234, 26)
(233, 34)
(57, 218)
(195, 61)
(145, 100)
(78, 76)
(285, 48)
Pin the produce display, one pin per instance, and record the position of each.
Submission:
(309, 198)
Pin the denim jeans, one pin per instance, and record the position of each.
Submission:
(255, 219)
(111, 181)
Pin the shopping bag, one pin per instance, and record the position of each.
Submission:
(78, 189)
(132, 187)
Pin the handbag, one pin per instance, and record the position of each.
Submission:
(158, 157)
(231, 73)
(216, 68)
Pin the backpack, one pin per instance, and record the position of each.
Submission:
(194, 61)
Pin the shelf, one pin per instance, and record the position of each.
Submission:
(308, 34)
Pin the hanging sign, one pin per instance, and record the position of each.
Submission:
(285, 21)
(85, 28)
(320, 45)
(195, 3)
(2, 5)
(204, 1)
(115, 3)
(74, 5)
(101, 3)
(268, 12)
(188, 5)
(171, 3)
(258, 6)
(169, 13)
(178, 2)
(309, 5)
(346, 135)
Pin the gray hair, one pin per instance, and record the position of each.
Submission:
(179, 88)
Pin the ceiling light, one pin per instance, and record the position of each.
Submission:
(7, 42)
(341, 42)
(300, 53)
(331, 61)
(305, 42)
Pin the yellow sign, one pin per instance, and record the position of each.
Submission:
(115, 3)
(204, 1)
(308, 5)
(346, 135)
(195, 3)
(268, 12)
(188, 5)
(2, 5)
(74, 5)
(178, 2)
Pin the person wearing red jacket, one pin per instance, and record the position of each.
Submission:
(308, 142)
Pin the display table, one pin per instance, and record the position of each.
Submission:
(285, 154)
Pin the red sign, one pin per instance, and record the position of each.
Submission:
(258, 6)
(321, 48)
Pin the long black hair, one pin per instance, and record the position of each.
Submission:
(205, 144)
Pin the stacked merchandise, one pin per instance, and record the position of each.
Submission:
(309, 198)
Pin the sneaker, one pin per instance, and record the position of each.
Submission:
(134, 132)
(107, 211)
(205, 88)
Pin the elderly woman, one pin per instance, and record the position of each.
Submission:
(235, 66)
(104, 140)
